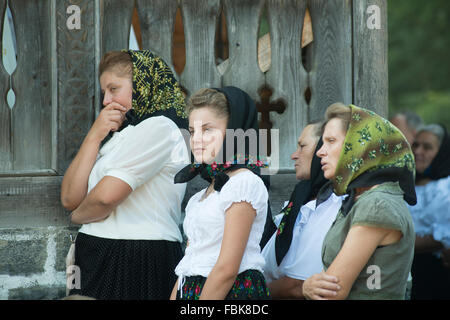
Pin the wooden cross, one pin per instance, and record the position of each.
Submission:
(265, 107)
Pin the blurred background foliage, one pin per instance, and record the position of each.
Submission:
(419, 58)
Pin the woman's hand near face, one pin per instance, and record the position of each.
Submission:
(320, 286)
(109, 119)
(75, 182)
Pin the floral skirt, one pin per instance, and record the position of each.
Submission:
(249, 285)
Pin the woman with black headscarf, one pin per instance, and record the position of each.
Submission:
(431, 215)
(293, 251)
(121, 189)
(225, 221)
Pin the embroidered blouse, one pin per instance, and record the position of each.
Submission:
(304, 256)
(205, 220)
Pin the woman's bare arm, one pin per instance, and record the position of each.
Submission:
(238, 223)
(358, 247)
(75, 182)
(286, 288)
(101, 200)
(174, 291)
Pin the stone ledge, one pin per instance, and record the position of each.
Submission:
(27, 251)
(37, 293)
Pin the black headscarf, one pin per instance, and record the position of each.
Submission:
(242, 115)
(440, 166)
(304, 192)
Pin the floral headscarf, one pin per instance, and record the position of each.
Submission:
(155, 90)
(374, 151)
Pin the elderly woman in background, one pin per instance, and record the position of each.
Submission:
(431, 215)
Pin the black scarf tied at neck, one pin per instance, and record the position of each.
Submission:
(304, 191)
(242, 115)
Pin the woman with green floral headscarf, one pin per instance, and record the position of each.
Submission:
(368, 251)
(121, 189)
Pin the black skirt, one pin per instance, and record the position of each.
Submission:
(430, 279)
(113, 269)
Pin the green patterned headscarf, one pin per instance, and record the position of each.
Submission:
(155, 90)
(374, 151)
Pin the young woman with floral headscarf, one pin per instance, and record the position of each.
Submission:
(122, 192)
(368, 251)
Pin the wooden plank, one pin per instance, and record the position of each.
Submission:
(115, 24)
(32, 114)
(5, 111)
(54, 85)
(136, 27)
(30, 202)
(98, 54)
(199, 22)
(370, 65)
(281, 187)
(157, 21)
(286, 75)
(76, 79)
(331, 74)
(242, 28)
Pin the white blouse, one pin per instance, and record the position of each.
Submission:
(205, 220)
(146, 157)
(304, 257)
(431, 214)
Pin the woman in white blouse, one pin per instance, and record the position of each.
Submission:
(293, 252)
(225, 221)
(122, 192)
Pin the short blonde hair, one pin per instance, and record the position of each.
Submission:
(207, 97)
(340, 111)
